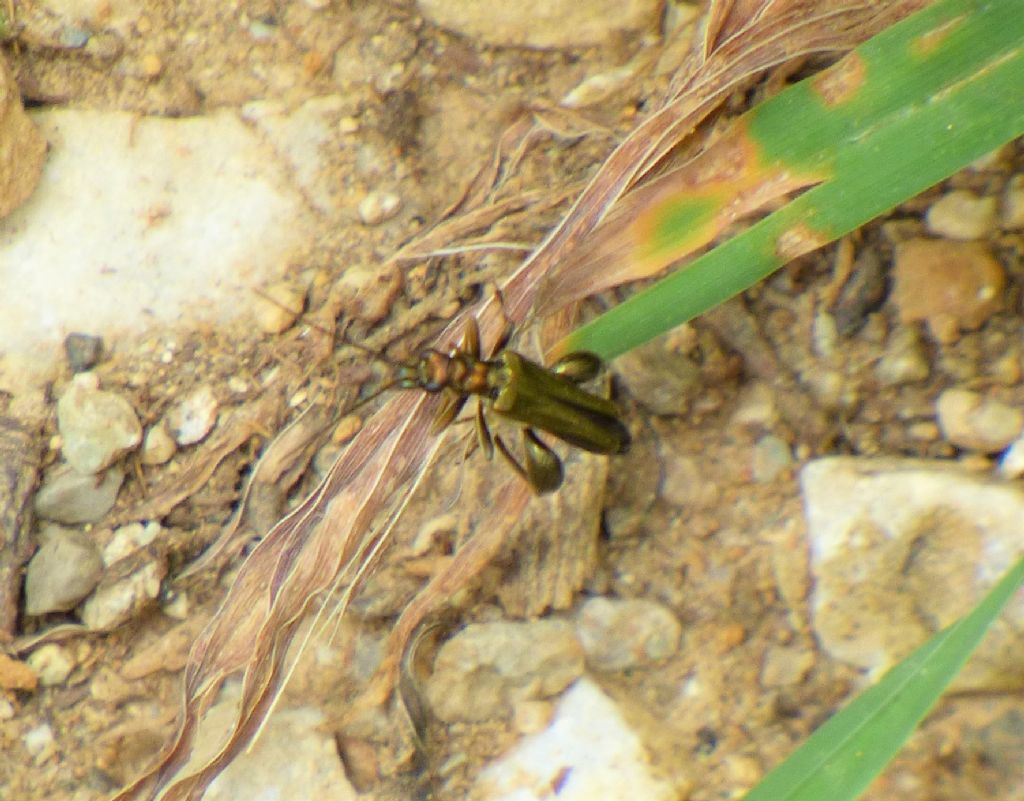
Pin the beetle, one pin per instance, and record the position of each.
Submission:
(548, 399)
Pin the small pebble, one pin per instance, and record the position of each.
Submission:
(771, 458)
(377, 207)
(262, 31)
(962, 215)
(347, 428)
(40, 743)
(785, 665)
(52, 663)
(15, 675)
(105, 46)
(159, 446)
(152, 66)
(1006, 369)
(65, 569)
(830, 387)
(486, 669)
(191, 419)
(128, 539)
(83, 351)
(278, 307)
(531, 717)
(825, 334)
(96, 427)
(952, 286)
(178, 607)
(924, 431)
(67, 496)
(756, 410)
(622, 634)
(1013, 205)
(729, 636)
(119, 600)
(369, 291)
(975, 422)
(73, 38)
(1011, 465)
(742, 772)
(904, 360)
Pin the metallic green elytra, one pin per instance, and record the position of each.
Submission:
(545, 398)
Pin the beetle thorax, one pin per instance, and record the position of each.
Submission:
(435, 371)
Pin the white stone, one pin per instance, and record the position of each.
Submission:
(1011, 464)
(39, 742)
(128, 539)
(902, 548)
(589, 752)
(377, 207)
(191, 419)
(52, 663)
(299, 137)
(293, 759)
(160, 221)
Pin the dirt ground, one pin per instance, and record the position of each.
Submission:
(685, 518)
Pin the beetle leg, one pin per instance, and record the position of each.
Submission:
(508, 457)
(578, 367)
(543, 466)
(448, 412)
(483, 433)
(470, 342)
(508, 330)
(506, 335)
(543, 471)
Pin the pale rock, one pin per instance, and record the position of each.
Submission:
(976, 422)
(97, 427)
(52, 663)
(488, 668)
(589, 752)
(159, 446)
(962, 215)
(191, 419)
(903, 548)
(65, 569)
(67, 496)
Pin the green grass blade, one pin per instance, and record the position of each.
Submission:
(941, 89)
(842, 757)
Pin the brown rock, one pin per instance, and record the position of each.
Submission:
(16, 675)
(952, 286)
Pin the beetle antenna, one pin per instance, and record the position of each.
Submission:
(373, 395)
(373, 354)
